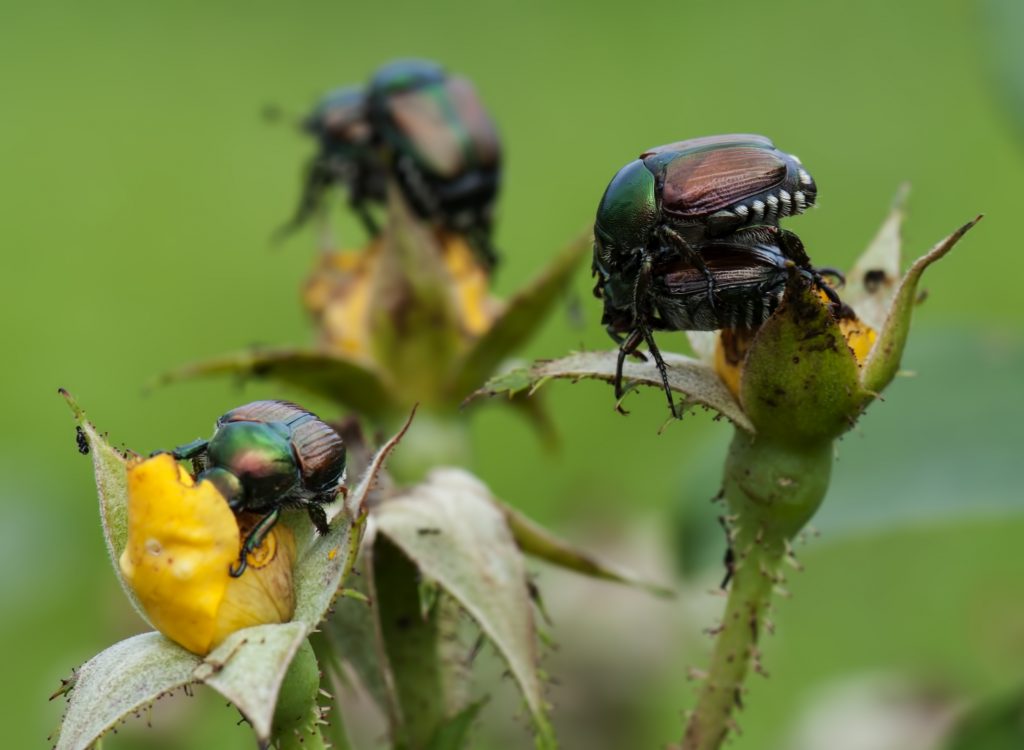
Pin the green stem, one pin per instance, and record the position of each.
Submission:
(772, 490)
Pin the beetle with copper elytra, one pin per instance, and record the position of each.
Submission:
(267, 456)
(420, 126)
(722, 195)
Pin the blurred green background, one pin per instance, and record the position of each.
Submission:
(140, 186)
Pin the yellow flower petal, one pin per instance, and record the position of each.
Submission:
(264, 593)
(182, 538)
(182, 541)
(860, 337)
(730, 350)
(472, 286)
(337, 295)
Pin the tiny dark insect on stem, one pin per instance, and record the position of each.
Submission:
(81, 441)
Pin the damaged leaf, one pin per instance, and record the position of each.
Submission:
(698, 382)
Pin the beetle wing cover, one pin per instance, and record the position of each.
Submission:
(318, 448)
(265, 411)
(426, 117)
(732, 267)
(478, 126)
(710, 142)
(321, 453)
(706, 181)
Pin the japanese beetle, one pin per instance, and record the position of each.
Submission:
(674, 197)
(441, 145)
(423, 128)
(698, 210)
(267, 456)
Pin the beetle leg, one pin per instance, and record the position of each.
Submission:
(318, 178)
(319, 517)
(835, 273)
(626, 347)
(619, 339)
(662, 367)
(479, 239)
(357, 202)
(692, 255)
(793, 248)
(253, 540)
(189, 450)
(643, 329)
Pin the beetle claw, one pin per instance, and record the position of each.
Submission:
(236, 572)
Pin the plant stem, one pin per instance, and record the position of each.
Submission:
(736, 644)
(772, 489)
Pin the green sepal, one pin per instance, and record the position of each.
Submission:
(884, 360)
(119, 682)
(537, 542)
(110, 470)
(316, 371)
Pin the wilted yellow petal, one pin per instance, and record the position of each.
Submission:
(264, 592)
(182, 538)
(337, 295)
(860, 337)
(471, 283)
(730, 350)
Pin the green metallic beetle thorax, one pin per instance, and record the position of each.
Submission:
(626, 216)
(260, 455)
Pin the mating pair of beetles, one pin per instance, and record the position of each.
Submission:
(687, 238)
(419, 127)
